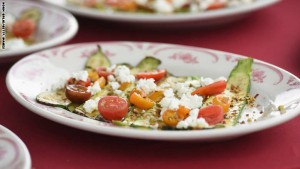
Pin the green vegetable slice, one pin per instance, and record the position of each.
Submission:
(97, 59)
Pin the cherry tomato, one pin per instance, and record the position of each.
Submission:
(80, 82)
(216, 5)
(170, 118)
(211, 89)
(183, 112)
(141, 102)
(156, 75)
(90, 3)
(222, 101)
(212, 114)
(126, 5)
(112, 107)
(102, 72)
(23, 28)
(77, 93)
(156, 96)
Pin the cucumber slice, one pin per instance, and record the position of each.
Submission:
(56, 99)
(32, 13)
(97, 59)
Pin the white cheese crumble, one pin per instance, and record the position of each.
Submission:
(114, 85)
(95, 88)
(80, 75)
(123, 75)
(171, 103)
(179, 3)
(193, 121)
(15, 43)
(204, 81)
(191, 101)
(147, 85)
(162, 6)
(111, 78)
(91, 105)
(111, 68)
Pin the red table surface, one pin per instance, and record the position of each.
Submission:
(271, 35)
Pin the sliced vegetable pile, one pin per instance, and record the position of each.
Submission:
(145, 96)
(160, 6)
(20, 31)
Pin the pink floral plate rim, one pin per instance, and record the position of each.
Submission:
(264, 73)
(68, 27)
(13, 152)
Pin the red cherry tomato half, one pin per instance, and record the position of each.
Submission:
(23, 28)
(112, 107)
(211, 89)
(77, 93)
(156, 75)
(212, 114)
(79, 82)
(102, 72)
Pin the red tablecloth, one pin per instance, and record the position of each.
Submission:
(271, 35)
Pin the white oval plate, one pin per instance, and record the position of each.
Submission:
(199, 19)
(37, 72)
(55, 27)
(13, 152)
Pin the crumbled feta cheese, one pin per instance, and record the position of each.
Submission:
(114, 85)
(181, 89)
(191, 101)
(193, 83)
(169, 93)
(147, 85)
(111, 78)
(179, 3)
(95, 88)
(162, 6)
(111, 68)
(206, 81)
(164, 85)
(171, 103)
(59, 85)
(118, 92)
(123, 75)
(194, 8)
(15, 43)
(80, 75)
(91, 105)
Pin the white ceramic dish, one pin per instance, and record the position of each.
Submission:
(55, 27)
(186, 19)
(39, 71)
(13, 152)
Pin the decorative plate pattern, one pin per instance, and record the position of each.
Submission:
(13, 152)
(55, 27)
(37, 72)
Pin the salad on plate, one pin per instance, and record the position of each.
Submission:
(146, 96)
(159, 6)
(20, 30)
